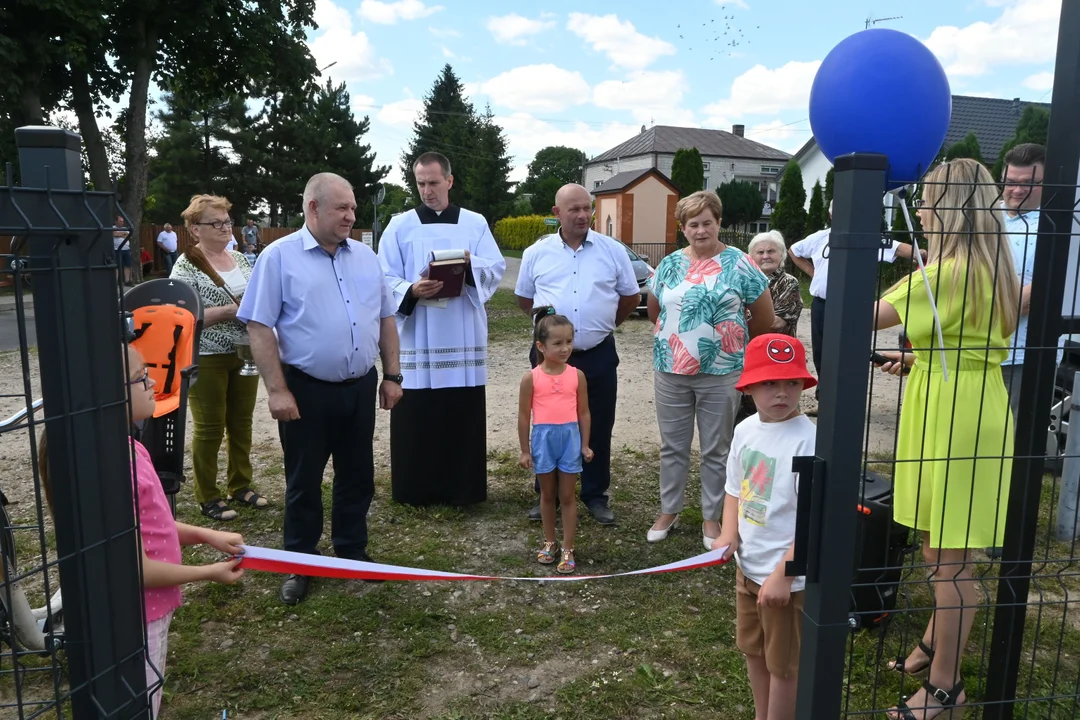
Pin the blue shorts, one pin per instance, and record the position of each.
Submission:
(556, 446)
(125, 257)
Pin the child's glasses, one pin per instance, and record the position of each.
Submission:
(144, 379)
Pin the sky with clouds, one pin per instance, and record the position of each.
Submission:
(555, 74)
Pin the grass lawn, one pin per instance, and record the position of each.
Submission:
(507, 252)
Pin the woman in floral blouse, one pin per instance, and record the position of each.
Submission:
(698, 299)
(222, 400)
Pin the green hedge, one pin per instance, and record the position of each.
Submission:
(518, 233)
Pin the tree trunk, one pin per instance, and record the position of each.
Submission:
(135, 166)
(30, 99)
(83, 104)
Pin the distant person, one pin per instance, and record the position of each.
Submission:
(250, 234)
(147, 261)
(166, 240)
(122, 248)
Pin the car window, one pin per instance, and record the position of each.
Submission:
(633, 255)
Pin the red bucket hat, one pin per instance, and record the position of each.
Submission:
(775, 357)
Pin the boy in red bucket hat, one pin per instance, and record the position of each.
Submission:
(759, 518)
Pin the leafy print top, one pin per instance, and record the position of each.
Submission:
(702, 323)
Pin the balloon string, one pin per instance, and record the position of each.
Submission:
(926, 282)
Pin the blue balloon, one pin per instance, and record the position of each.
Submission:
(882, 91)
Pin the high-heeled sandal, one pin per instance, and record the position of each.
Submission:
(546, 554)
(948, 710)
(900, 664)
(567, 566)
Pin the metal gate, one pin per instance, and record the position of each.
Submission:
(81, 657)
(1022, 658)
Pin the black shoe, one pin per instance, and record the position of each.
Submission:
(294, 589)
(994, 552)
(537, 514)
(601, 512)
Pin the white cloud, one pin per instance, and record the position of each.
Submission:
(526, 135)
(788, 136)
(649, 96)
(444, 32)
(363, 105)
(543, 88)
(761, 91)
(388, 13)
(448, 53)
(1026, 32)
(1040, 81)
(741, 4)
(624, 46)
(352, 54)
(513, 29)
(402, 113)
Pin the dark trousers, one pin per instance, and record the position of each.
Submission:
(599, 365)
(817, 334)
(337, 420)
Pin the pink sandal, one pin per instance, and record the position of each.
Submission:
(567, 566)
(546, 554)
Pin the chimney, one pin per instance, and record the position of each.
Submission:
(738, 130)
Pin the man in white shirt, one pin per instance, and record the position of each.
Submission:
(588, 278)
(811, 255)
(166, 240)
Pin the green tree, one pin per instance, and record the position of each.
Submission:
(488, 182)
(687, 171)
(742, 203)
(827, 199)
(448, 126)
(815, 214)
(966, 148)
(1032, 127)
(789, 217)
(551, 168)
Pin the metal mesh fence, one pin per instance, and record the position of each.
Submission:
(80, 652)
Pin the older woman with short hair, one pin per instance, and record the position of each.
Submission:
(698, 299)
(769, 253)
(223, 400)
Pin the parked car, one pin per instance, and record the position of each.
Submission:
(642, 271)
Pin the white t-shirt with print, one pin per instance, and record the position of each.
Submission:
(759, 475)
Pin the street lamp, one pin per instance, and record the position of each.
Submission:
(328, 66)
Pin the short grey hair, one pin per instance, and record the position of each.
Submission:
(773, 236)
(431, 158)
(318, 186)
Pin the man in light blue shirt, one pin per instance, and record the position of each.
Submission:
(1024, 170)
(318, 311)
(588, 278)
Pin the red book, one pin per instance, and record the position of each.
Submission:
(450, 271)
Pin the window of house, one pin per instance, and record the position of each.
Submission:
(597, 183)
(770, 170)
(610, 228)
(706, 185)
(705, 166)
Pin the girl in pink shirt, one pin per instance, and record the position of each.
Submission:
(556, 397)
(160, 537)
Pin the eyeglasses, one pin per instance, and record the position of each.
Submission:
(144, 379)
(918, 203)
(217, 224)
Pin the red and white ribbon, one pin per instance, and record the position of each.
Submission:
(282, 561)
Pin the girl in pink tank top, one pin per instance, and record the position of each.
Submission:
(554, 396)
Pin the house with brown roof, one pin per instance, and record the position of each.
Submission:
(637, 206)
(726, 155)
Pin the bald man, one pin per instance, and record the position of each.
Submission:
(166, 240)
(318, 311)
(588, 278)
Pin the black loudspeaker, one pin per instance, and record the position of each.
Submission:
(880, 545)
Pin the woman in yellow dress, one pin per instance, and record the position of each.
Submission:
(954, 447)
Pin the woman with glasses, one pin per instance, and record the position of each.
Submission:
(223, 400)
(955, 441)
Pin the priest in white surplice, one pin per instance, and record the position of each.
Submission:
(438, 430)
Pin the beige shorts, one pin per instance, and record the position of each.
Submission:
(775, 633)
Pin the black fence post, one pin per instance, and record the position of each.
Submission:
(77, 311)
(1052, 251)
(854, 248)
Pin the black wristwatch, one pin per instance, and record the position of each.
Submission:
(399, 378)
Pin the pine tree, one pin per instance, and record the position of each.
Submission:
(448, 126)
(742, 203)
(687, 171)
(827, 199)
(815, 215)
(790, 214)
(487, 188)
(1032, 127)
(966, 148)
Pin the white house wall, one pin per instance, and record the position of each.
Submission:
(815, 166)
(719, 169)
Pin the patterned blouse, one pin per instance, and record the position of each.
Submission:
(219, 338)
(786, 300)
(702, 322)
